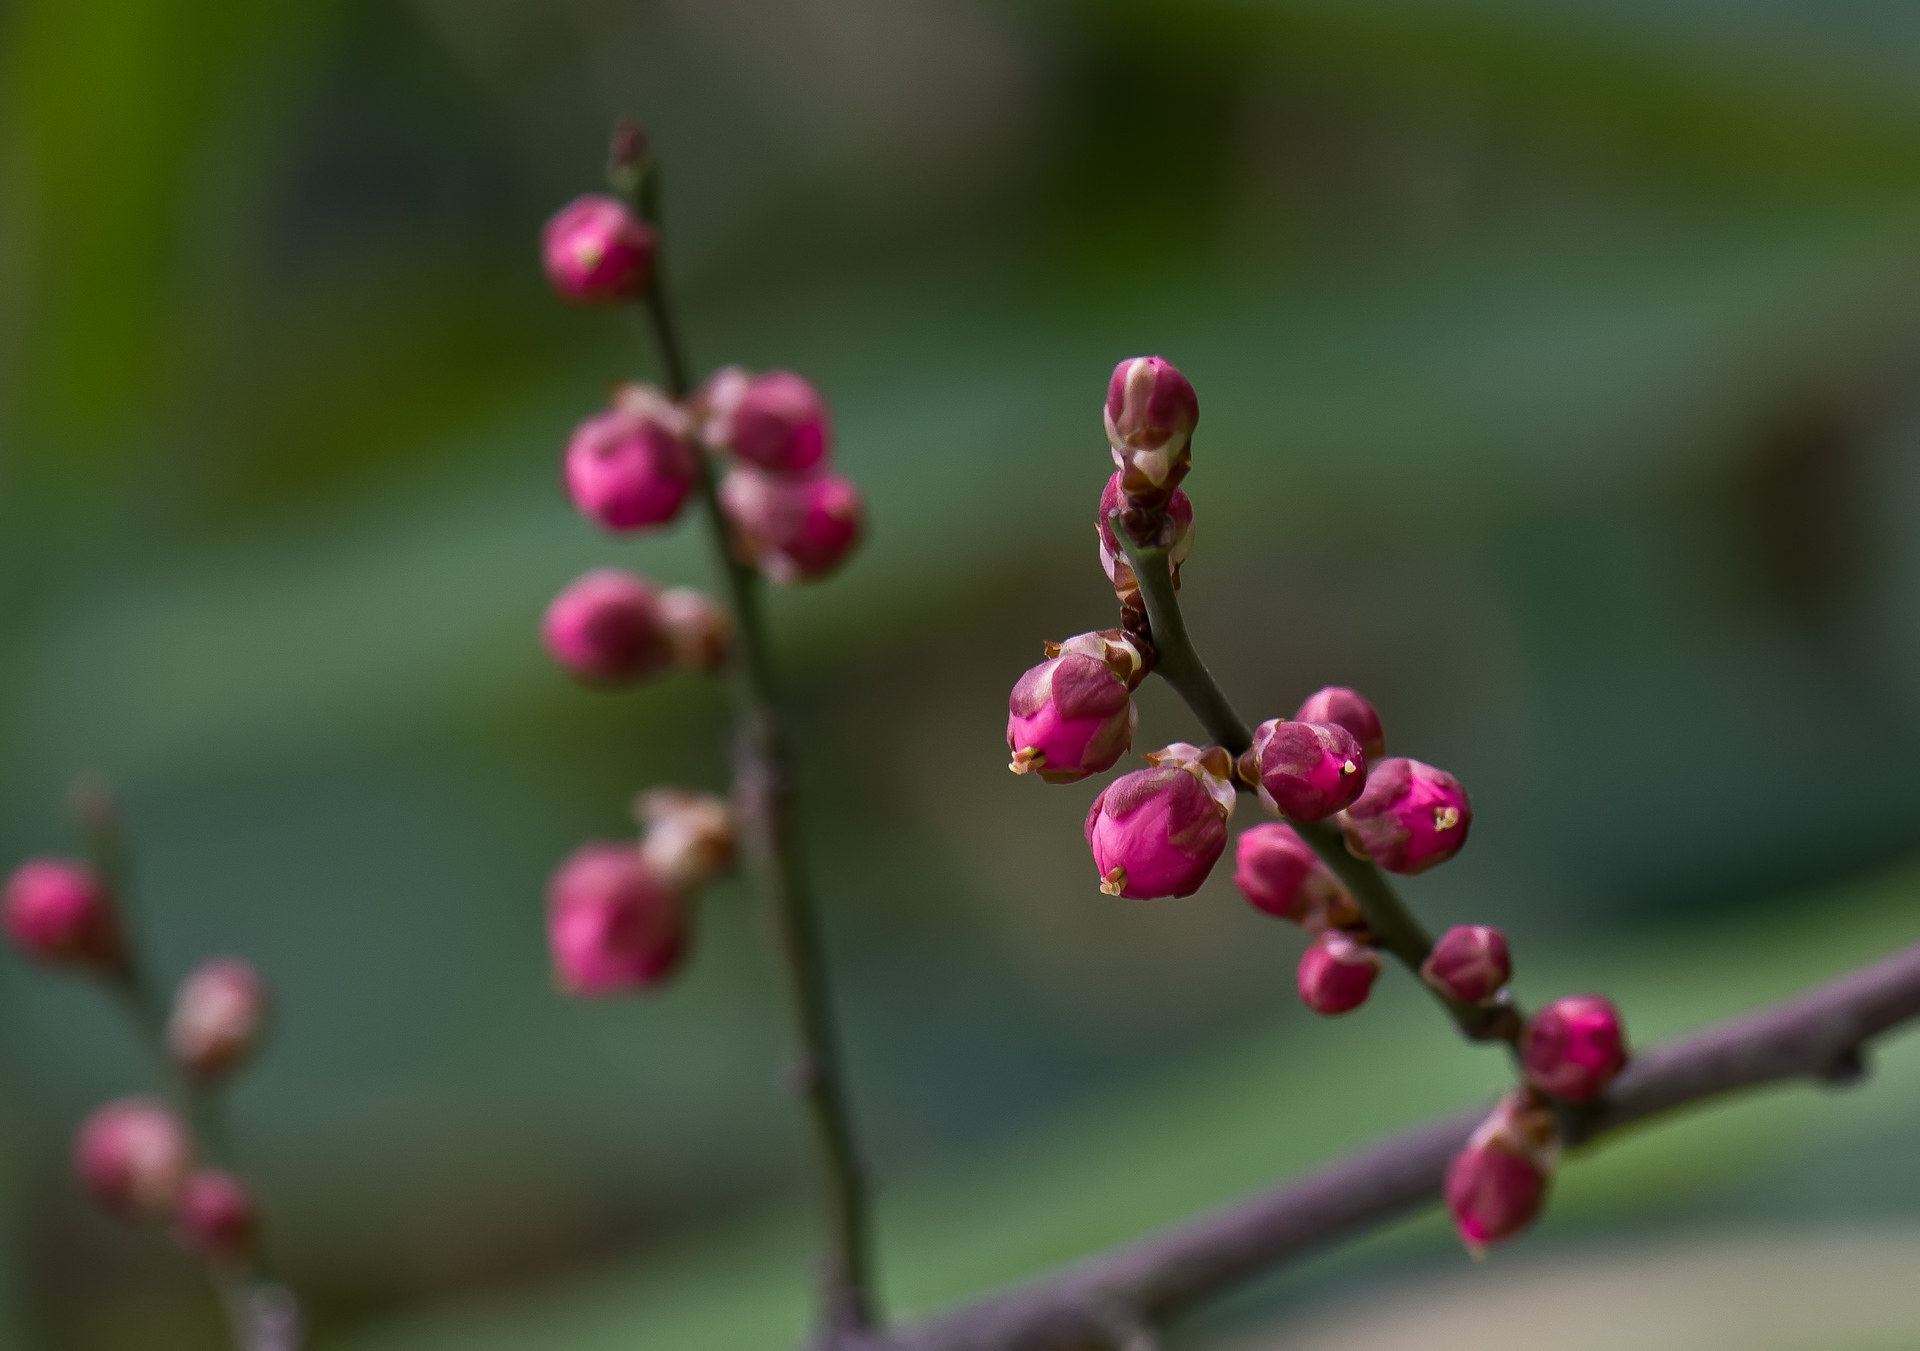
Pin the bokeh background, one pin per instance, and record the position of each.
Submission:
(1561, 373)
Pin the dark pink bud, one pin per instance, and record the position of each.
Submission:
(1469, 965)
(1177, 527)
(1073, 715)
(1410, 818)
(689, 837)
(777, 421)
(1158, 832)
(613, 923)
(698, 631)
(132, 1156)
(597, 250)
(1305, 770)
(1336, 973)
(792, 529)
(1574, 1047)
(1151, 413)
(630, 466)
(1279, 873)
(1497, 1184)
(215, 1217)
(59, 911)
(219, 1014)
(605, 628)
(1342, 707)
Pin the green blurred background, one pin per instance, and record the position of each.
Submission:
(1559, 372)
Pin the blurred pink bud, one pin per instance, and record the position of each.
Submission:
(1344, 708)
(1497, 1184)
(597, 250)
(1305, 770)
(613, 923)
(1176, 526)
(1574, 1047)
(1410, 818)
(1279, 873)
(1469, 965)
(792, 529)
(698, 631)
(215, 1217)
(1151, 413)
(630, 466)
(605, 628)
(218, 1016)
(1158, 832)
(132, 1156)
(1336, 973)
(1073, 715)
(775, 420)
(689, 837)
(59, 911)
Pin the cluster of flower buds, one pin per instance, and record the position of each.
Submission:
(1159, 831)
(1280, 875)
(1073, 714)
(136, 1160)
(1497, 1184)
(1150, 415)
(611, 627)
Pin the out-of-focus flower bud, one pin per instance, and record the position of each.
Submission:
(1469, 965)
(1151, 413)
(1410, 818)
(1279, 873)
(698, 631)
(1344, 708)
(59, 911)
(597, 250)
(218, 1016)
(630, 466)
(605, 628)
(792, 529)
(613, 923)
(215, 1217)
(132, 1156)
(776, 420)
(1336, 973)
(689, 837)
(1176, 527)
(1497, 1184)
(1306, 770)
(1073, 714)
(1574, 1047)
(1158, 832)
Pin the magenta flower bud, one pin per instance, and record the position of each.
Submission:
(699, 632)
(1177, 527)
(1151, 413)
(613, 923)
(792, 529)
(690, 837)
(1343, 708)
(1158, 832)
(630, 466)
(218, 1016)
(1410, 818)
(215, 1217)
(776, 420)
(605, 628)
(1336, 973)
(132, 1156)
(59, 911)
(1280, 874)
(1498, 1183)
(1574, 1047)
(1305, 770)
(1469, 965)
(597, 250)
(1073, 714)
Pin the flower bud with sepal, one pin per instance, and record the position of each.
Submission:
(1337, 972)
(690, 838)
(614, 925)
(1574, 1047)
(1073, 714)
(1305, 770)
(596, 250)
(1469, 965)
(776, 420)
(61, 912)
(1411, 817)
(216, 1218)
(699, 631)
(1496, 1186)
(1150, 416)
(1279, 873)
(792, 529)
(132, 1156)
(1345, 708)
(631, 466)
(605, 629)
(1175, 526)
(1158, 832)
(219, 1015)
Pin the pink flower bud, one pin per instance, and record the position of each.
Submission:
(777, 420)
(597, 250)
(1410, 818)
(59, 911)
(1497, 1184)
(219, 1013)
(1158, 832)
(793, 530)
(1305, 770)
(630, 466)
(1073, 715)
(605, 628)
(1469, 965)
(1336, 973)
(1574, 1047)
(613, 923)
(132, 1156)
(1279, 873)
(215, 1217)
(698, 631)
(1177, 526)
(689, 837)
(1151, 413)
(1344, 708)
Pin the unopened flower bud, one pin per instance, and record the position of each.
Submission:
(597, 250)
(698, 631)
(689, 837)
(1151, 413)
(1176, 526)
(613, 923)
(132, 1156)
(218, 1016)
(1073, 714)
(1336, 973)
(776, 420)
(1344, 708)
(215, 1217)
(1158, 832)
(59, 911)
(792, 529)
(1410, 818)
(630, 466)
(605, 628)
(1574, 1047)
(1497, 1184)
(1469, 965)
(1280, 874)
(1305, 770)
